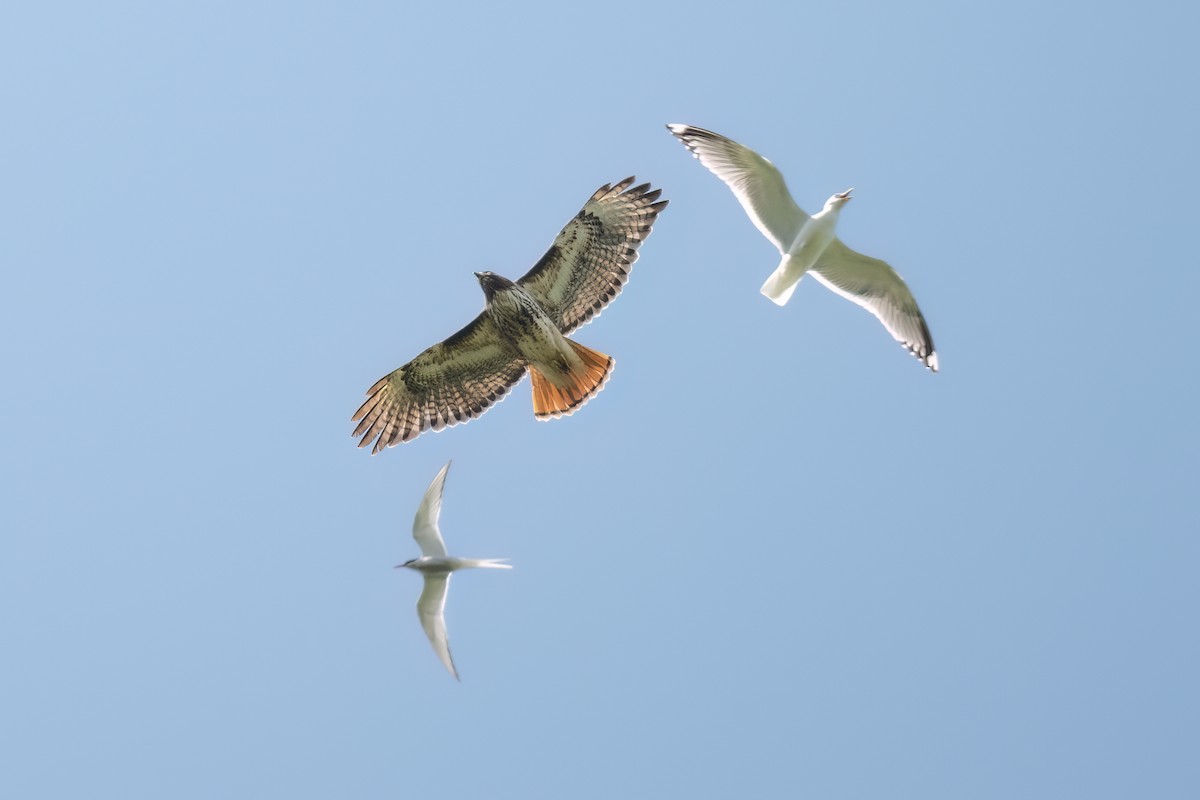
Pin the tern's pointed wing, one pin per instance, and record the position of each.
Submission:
(425, 523)
(879, 289)
(429, 609)
(589, 262)
(755, 182)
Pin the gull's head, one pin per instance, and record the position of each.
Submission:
(492, 283)
(838, 200)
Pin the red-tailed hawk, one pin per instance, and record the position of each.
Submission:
(522, 328)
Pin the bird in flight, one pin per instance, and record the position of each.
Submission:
(810, 244)
(522, 328)
(436, 567)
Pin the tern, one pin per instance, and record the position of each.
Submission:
(435, 565)
(809, 244)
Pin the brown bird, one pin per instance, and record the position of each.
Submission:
(522, 328)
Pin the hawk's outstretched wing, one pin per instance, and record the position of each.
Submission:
(589, 262)
(451, 382)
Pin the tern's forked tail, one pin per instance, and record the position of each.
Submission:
(488, 563)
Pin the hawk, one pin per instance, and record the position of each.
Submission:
(522, 328)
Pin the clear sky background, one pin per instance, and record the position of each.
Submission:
(774, 558)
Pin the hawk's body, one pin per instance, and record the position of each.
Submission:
(523, 327)
(565, 374)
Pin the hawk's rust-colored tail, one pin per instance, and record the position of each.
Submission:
(551, 402)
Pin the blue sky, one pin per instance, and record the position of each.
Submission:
(775, 557)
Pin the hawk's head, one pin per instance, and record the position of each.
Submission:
(492, 283)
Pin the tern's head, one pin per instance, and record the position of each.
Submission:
(492, 283)
(408, 563)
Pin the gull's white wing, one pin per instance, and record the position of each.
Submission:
(879, 289)
(755, 182)
(429, 609)
(425, 524)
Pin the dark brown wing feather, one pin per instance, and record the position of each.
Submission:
(589, 262)
(451, 382)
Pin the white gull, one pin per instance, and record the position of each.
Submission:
(809, 244)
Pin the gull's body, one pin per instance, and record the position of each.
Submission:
(810, 244)
(435, 565)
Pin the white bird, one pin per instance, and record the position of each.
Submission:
(809, 244)
(435, 565)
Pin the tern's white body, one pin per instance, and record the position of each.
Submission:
(435, 565)
(810, 244)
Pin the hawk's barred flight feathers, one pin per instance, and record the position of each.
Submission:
(522, 327)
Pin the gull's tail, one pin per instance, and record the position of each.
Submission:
(550, 401)
(783, 281)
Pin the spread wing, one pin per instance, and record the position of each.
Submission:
(754, 181)
(589, 262)
(878, 288)
(430, 609)
(425, 523)
(451, 382)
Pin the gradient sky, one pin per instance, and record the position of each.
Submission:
(774, 558)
